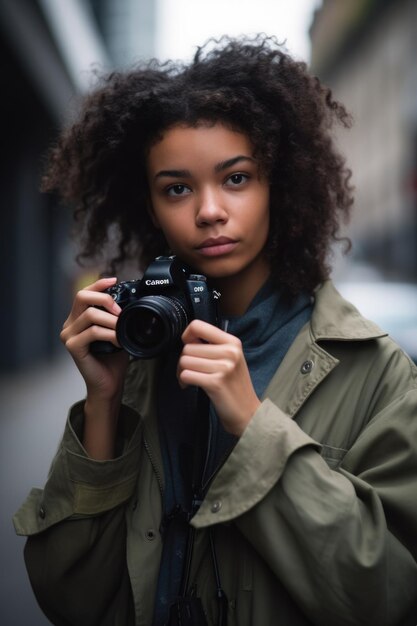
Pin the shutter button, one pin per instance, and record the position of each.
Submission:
(216, 506)
(306, 367)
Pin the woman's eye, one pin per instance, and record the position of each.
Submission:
(237, 179)
(178, 190)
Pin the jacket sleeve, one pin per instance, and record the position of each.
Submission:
(75, 553)
(343, 542)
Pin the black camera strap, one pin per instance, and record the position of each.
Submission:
(187, 610)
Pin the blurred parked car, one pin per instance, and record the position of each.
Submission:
(393, 306)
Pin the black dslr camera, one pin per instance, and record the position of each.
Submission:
(157, 308)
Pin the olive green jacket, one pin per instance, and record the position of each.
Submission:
(314, 513)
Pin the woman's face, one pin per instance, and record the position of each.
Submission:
(210, 200)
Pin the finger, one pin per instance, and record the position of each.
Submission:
(101, 284)
(89, 317)
(79, 345)
(231, 350)
(86, 298)
(204, 350)
(197, 364)
(198, 331)
(207, 381)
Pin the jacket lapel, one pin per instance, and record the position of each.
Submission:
(307, 363)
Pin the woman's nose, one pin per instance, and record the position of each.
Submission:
(210, 208)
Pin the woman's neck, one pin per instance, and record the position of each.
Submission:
(238, 291)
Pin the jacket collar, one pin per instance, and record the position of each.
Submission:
(334, 318)
(307, 362)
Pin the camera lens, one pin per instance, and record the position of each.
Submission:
(145, 327)
(151, 325)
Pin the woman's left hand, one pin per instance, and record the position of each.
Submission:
(213, 360)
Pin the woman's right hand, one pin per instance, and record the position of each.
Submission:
(104, 373)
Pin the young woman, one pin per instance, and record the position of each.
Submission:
(283, 492)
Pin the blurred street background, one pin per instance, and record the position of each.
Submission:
(365, 50)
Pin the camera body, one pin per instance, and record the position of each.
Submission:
(157, 308)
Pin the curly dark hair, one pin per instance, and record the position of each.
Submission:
(249, 84)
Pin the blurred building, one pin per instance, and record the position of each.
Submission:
(47, 51)
(128, 28)
(366, 51)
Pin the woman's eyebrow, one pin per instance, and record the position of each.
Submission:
(219, 167)
(223, 165)
(173, 174)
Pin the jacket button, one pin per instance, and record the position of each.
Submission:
(42, 512)
(216, 506)
(150, 534)
(306, 367)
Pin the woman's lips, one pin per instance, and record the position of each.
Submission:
(217, 247)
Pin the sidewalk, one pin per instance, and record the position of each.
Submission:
(34, 406)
